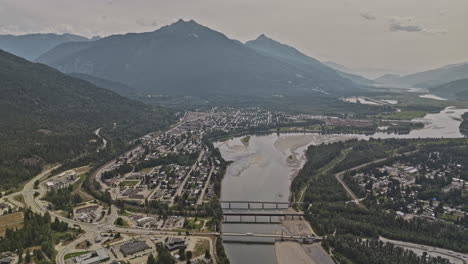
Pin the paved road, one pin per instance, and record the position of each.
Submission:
(454, 257)
(181, 187)
(202, 195)
(339, 176)
(104, 141)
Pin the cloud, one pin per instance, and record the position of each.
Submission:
(409, 24)
(396, 26)
(368, 16)
(147, 23)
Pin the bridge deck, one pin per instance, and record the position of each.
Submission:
(247, 213)
(256, 202)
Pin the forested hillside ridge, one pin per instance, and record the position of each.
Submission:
(455, 90)
(38, 232)
(31, 46)
(188, 60)
(430, 78)
(464, 124)
(50, 117)
(350, 249)
(117, 87)
(431, 217)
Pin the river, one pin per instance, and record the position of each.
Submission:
(262, 171)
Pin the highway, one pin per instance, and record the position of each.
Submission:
(456, 258)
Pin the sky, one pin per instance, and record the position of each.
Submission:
(396, 35)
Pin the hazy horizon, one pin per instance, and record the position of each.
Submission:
(396, 36)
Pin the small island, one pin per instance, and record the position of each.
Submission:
(245, 140)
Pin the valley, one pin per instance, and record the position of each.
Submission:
(132, 136)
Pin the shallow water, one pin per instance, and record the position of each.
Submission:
(433, 96)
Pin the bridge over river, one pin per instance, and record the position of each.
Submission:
(258, 211)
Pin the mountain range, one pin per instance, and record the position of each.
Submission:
(31, 46)
(188, 59)
(366, 72)
(431, 78)
(455, 90)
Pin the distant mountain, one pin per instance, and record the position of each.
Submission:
(189, 59)
(337, 66)
(32, 46)
(49, 117)
(387, 78)
(455, 90)
(357, 78)
(349, 73)
(368, 73)
(433, 77)
(287, 54)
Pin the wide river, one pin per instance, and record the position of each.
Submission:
(260, 171)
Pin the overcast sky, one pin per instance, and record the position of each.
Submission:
(408, 35)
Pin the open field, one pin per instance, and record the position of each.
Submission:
(145, 170)
(200, 247)
(129, 183)
(14, 220)
(403, 115)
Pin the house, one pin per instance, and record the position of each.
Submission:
(175, 243)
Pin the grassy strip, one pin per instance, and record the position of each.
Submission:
(75, 254)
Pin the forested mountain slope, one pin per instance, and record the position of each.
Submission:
(48, 116)
(455, 90)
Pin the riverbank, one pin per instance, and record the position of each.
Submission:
(296, 145)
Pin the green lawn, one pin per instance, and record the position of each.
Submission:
(245, 140)
(200, 247)
(122, 213)
(129, 183)
(123, 223)
(145, 170)
(75, 254)
(403, 115)
(191, 223)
